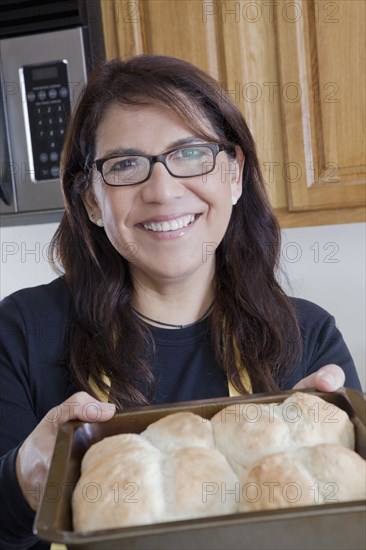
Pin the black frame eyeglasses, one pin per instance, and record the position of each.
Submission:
(188, 161)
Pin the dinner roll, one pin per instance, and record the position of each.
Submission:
(326, 473)
(122, 488)
(177, 430)
(247, 432)
(194, 481)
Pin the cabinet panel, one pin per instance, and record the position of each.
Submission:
(251, 78)
(181, 30)
(166, 27)
(324, 111)
(122, 27)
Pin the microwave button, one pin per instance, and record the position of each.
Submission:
(31, 96)
(52, 145)
(41, 134)
(42, 95)
(59, 109)
(51, 133)
(39, 123)
(44, 173)
(60, 120)
(54, 156)
(52, 93)
(55, 171)
(43, 157)
(63, 91)
(61, 132)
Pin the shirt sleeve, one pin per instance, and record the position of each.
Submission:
(17, 421)
(323, 344)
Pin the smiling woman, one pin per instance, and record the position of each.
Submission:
(168, 255)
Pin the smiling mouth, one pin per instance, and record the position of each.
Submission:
(171, 225)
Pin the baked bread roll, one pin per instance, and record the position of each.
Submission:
(248, 432)
(177, 430)
(120, 488)
(194, 478)
(323, 474)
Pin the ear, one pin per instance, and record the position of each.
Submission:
(91, 205)
(237, 174)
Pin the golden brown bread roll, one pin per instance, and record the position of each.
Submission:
(193, 478)
(124, 487)
(248, 432)
(183, 429)
(322, 474)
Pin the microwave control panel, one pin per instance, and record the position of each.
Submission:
(47, 102)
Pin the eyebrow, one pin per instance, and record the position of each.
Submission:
(130, 151)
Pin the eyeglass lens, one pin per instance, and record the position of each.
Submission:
(184, 162)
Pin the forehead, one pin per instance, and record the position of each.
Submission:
(149, 127)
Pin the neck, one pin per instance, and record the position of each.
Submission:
(173, 305)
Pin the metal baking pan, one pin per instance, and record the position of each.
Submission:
(328, 526)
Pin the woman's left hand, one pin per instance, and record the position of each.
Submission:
(327, 378)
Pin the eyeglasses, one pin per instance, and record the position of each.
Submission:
(186, 162)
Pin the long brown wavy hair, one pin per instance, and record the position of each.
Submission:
(260, 330)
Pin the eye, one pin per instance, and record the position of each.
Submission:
(123, 164)
(190, 154)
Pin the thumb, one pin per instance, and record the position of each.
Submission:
(80, 406)
(327, 378)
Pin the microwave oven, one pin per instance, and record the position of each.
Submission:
(43, 72)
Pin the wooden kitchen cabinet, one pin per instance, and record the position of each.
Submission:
(296, 70)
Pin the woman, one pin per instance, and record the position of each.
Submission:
(168, 251)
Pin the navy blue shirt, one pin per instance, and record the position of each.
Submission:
(33, 345)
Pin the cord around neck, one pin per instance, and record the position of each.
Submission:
(160, 323)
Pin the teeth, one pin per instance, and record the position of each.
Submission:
(170, 225)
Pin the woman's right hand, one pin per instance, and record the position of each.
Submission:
(34, 456)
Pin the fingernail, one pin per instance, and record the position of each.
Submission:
(328, 378)
(109, 406)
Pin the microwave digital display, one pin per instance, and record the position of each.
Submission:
(43, 73)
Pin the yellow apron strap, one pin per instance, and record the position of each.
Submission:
(55, 546)
(244, 377)
(99, 394)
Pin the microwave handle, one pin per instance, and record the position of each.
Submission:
(4, 150)
(3, 194)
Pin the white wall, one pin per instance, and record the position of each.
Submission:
(325, 264)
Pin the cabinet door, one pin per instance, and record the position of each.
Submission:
(322, 71)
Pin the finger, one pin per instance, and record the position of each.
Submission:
(327, 378)
(80, 406)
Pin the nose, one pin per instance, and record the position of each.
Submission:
(161, 187)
